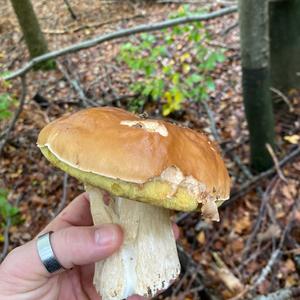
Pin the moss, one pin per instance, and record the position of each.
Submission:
(47, 65)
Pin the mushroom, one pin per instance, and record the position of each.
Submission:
(148, 167)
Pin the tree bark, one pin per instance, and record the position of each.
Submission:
(253, 20)
(29, 24)
(285, 44)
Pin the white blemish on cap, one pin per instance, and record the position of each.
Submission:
(149, 125)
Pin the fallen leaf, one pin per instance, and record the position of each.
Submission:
(291, 280)
(201, 237)
(273, 231)
(243, 224)
(293, 139)
(237, 245)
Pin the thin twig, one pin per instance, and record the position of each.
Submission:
(90, 25)
(253, 256)
(188, 262)
(228, 29)
(277, 253)
(282, 294)
(242, 166)
(261, 214)
(119, 34)
(267, 269)
(212, 121)
(76, 86)
(63, 200)
(246, 186)
(283, 97)
(70, 9)
(276, 164)
(16, 115)
(181, 282)
(273, 258)
(182, 1)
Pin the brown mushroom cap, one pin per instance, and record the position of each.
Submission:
(116, 144)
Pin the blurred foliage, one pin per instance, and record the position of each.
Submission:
(6, 99)
(172, 75)
(5, 104)
(7, 210)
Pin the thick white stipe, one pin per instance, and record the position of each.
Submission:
(148, 260)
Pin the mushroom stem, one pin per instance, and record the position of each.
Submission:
(147, 261)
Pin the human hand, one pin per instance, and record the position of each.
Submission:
(77, 245)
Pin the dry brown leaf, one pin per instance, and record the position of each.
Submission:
(264, 287)
(201, 237)
(289, 191)
(297, 215)
(242, 224)
(237, 245)
(291, 280)
(290, 265)
(273, 231)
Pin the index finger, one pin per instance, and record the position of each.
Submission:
(77, 213)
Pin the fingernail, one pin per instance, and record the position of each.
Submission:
(106, 235)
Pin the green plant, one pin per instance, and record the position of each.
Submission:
(7, 210)
(136, 105)
(172, 75)
(5, 103)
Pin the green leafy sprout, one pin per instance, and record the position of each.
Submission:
(5, 104)
(7, 210)
(166, 76)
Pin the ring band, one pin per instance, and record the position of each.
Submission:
(46, 253)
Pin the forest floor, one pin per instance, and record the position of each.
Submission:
(254, 249)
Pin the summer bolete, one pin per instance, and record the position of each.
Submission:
(148, 167)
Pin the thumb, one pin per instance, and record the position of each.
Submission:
(72, 246)
(84, 245)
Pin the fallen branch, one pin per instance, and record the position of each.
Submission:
(268, 268)
(284, 98)
(90, 25)
(188, 263)
(246, 186)
(12, 124)
(282, 294)
(259, 219)
(228, 29)
(212, 123)
(273, 259)
(275, 160)
(182, 1)
(255, 179)
(70, 9)
(278, 252)
(76, 86)
(116, 35)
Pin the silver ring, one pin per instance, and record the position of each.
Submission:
(46, 253)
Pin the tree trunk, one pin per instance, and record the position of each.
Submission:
(285, 44)
(253, 22)
(29, 24)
